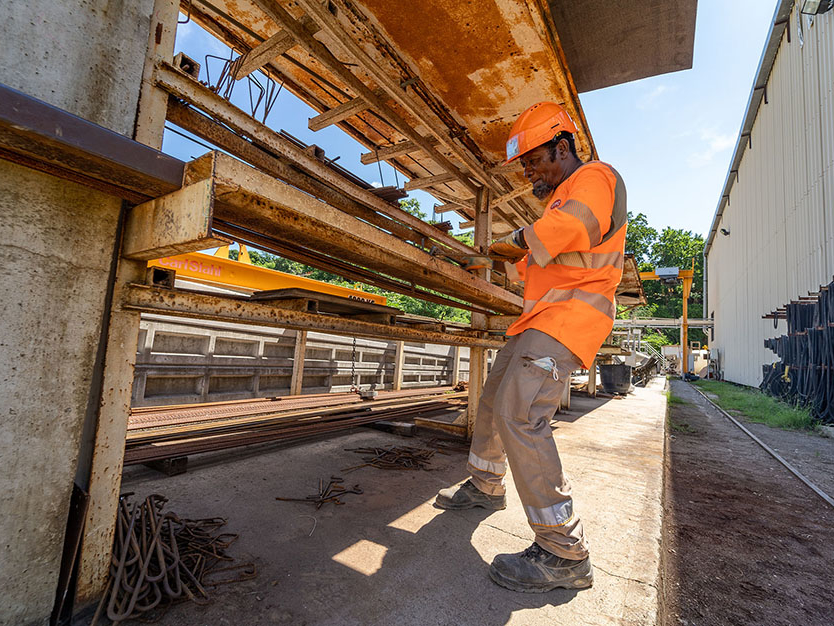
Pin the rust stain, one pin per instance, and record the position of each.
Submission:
(467, 51)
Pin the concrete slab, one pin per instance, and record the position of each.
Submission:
(389, 557)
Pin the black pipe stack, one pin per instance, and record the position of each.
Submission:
(804, 374)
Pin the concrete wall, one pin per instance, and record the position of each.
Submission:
(56, 249)
(180, 361)
(781, 208)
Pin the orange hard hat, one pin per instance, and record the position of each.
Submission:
(536, 126)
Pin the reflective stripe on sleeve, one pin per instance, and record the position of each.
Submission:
(590, 260)
(596, 300)
(556, 515)
(584, 214)
(499, 469)
(538, 252)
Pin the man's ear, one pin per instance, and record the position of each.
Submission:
(563, 148)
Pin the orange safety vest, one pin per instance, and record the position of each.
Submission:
(575, 261)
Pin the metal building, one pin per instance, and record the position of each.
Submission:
(772, 237)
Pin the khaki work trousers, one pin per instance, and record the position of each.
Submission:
(519, 399)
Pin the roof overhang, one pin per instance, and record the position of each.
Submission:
(608, 43)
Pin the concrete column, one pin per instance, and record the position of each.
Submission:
(300, 350)
(455, 364)
(592, 379)
(477, 356)
(399, 360)
(58, 244)
(111, 427)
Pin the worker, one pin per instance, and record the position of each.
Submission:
(570, 261)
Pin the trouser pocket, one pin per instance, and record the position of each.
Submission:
(522, 384)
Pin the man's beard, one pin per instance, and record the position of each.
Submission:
(542, 190)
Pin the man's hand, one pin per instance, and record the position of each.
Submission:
(510, 248)
(476, 262)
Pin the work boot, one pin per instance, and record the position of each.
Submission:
(536, 570)
(468, 496)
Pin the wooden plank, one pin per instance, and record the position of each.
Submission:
(337, 114)
(399, 360)
(390, 152)
(265, 52)
(140, 298)
(186, 88)
(500, 322)
(248, 197)
(515, 193)
(176, 223)
(299, 352)
(428, 181)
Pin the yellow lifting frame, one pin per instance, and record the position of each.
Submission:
(686, 277)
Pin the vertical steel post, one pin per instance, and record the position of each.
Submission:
(122, 339)
(477, 356)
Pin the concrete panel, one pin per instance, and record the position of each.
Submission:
(55, 253)
(181, 360)
(84, 56)
(56, 247)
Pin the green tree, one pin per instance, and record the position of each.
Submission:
(675, 248)
(412, 205)
(640, 237)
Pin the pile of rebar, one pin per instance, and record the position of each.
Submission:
(804, 374)
(159, 559)
(329, 493)
(393, 458)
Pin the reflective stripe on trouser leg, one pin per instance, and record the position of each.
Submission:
(526, 400)
(486, 453)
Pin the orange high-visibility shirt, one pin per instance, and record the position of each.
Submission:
(575, 261)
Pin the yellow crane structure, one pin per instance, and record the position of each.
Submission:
(673, 274)
(242, 275)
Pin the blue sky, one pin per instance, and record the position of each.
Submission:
(671, 136)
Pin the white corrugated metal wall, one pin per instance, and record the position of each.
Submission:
(781, 209)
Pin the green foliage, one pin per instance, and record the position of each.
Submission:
(671, 247)
(756, 406)
(412, 205)
(640, 237)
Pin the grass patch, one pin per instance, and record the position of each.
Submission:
(674, 400)
(756, 406)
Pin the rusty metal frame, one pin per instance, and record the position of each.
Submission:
(180, 303)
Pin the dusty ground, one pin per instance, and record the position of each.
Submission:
(745, 542)
(388, 557)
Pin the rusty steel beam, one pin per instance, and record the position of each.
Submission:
(186, 88)
(330, 24)
(206, 128)
(315, 48)
(249, 198)
(179, 303)
(43, 137)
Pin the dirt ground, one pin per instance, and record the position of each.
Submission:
(744, 541)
